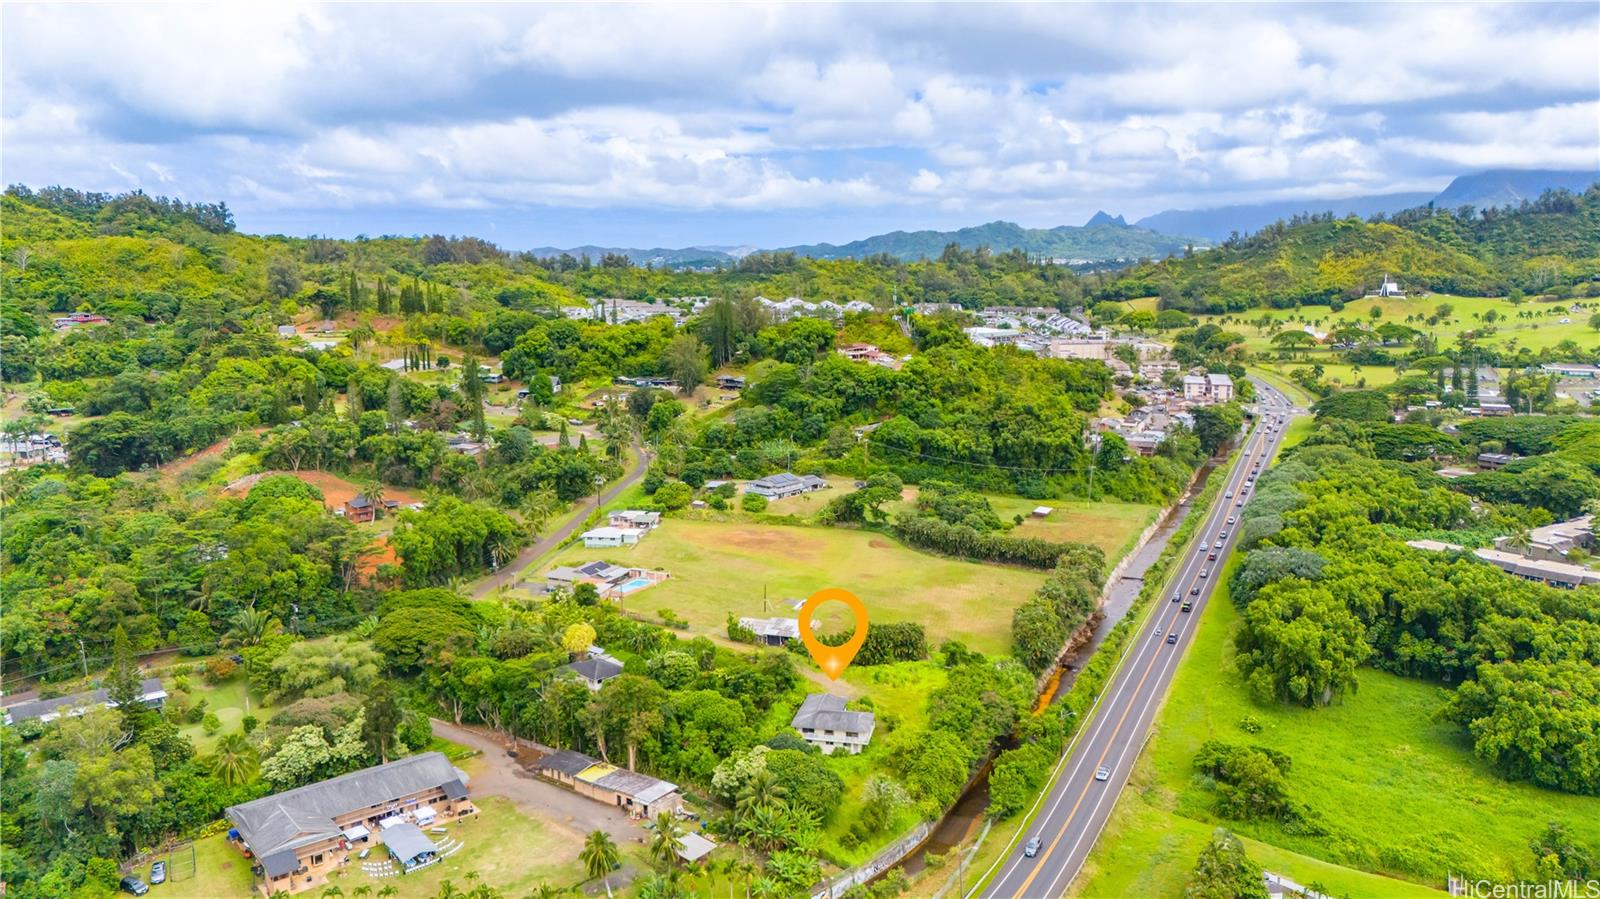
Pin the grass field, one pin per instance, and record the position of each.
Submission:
(721, 568)
(1397, 792)
(1108, 524)
(227, 701)
(1542, 330)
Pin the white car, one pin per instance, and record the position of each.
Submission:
(1102, 773)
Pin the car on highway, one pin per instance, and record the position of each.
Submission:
(1217, 545)
(1224, 535)
(1172, 637)
(1212, 557)
(1239, 504)
(1187, 607)
(158, 873)
(1177, 596)
(1230, 494)
(1102, 773)
(1205, 572)
(1031, 848)
(1158, 632)
(1231, 519)
(1194, 591)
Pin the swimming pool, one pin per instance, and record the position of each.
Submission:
(638, 583)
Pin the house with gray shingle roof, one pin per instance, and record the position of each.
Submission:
(47, 710)
(299, 836)
(824, 722)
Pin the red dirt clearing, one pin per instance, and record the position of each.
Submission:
(336, 490)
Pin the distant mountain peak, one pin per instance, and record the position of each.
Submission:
(1104, 218)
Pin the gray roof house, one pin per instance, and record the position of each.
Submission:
(784, 484)
(595, 670)
(299, 831)
(823, 722)
(47, 710)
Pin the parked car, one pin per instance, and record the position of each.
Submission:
(158, 873)
(1032, 847)
(134, 885)
(1102, 773)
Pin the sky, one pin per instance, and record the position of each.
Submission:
(698, 124)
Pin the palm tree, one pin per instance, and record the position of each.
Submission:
(331, 890)
(765, 888)
(667, 841)
(762, 788)
(249, 627)
(235, 761)
(548, 891)
(538, 507)
(361, 892)
(599, 856)
(372, 489)
(388, 891)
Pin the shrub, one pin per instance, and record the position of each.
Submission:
(753, 502)
(219, 669)
(211, 723)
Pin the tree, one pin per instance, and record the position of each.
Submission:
(123, 685)
(473, 392)
(1223, 871)
(383, 715)
(668, 840)
(685, 361)
(577, 638)
(600, 856)
(234, 761)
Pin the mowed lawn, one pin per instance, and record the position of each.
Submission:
(722, 568)
(1108, 524)
(1398, 792)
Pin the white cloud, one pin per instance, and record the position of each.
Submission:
(1047, 110)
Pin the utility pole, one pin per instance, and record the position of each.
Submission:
(599, 481)
(83, 656)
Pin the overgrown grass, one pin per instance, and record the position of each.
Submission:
(720, 568)
(1398, 792)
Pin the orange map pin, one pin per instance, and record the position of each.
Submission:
(833, 659)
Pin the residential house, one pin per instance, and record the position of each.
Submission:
(823, 722)
(773, 631)
(1208, 389)
(1152, 370)
(730, 382)
(1042, 511)
(1194, 388)
(1494, 460)
(601, 538)
(601, 574)
(870, 354)
(641, 795)
(595, 670)
(77, 319)
(635, 518)
(46, 710)
(784, 484)
(360, 509)
(287, 332)
(300, 836)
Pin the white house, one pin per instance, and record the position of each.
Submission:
(824, 723)
(635, 518)
(599, 538)
(1390, 288)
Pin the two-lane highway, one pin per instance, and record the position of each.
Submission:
(1046, 857)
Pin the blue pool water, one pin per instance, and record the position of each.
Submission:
(638, 583)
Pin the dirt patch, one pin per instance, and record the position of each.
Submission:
(336, 491)
(786, 542)
(880, 543)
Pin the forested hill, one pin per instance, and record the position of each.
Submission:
(1550, 243)
(1103, 238)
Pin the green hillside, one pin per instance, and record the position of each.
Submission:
(1550, 245)
(1104, 238)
